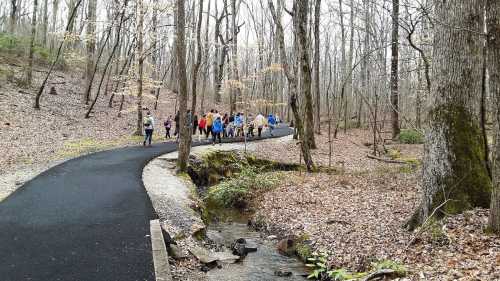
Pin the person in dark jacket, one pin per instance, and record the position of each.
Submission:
(195, 124)
(217, 128)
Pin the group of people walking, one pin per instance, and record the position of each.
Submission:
(214, 125)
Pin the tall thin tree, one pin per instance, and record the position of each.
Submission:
(394, 70)
(184, 140)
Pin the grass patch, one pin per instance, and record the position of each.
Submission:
(75, 148)
(83, 146)
(411, 136)
(303, 247)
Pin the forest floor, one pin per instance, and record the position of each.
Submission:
(357, 215)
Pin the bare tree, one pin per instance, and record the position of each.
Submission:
(301, 10)
(90, 43)
(58, 54)
(184, 123)
(317, 14)
(45, 19)
(292, 85)
(55, 9)
(140, 63)
(13, 16)
(31, 51)
(493, 45)
(197, 62)
(394, 69)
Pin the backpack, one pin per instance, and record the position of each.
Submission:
(217, 126)
(167, 124)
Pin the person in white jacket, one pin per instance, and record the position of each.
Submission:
(259, 122)
(149, 124)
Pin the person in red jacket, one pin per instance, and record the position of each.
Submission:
(202, 123)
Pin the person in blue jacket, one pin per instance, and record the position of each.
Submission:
(271, 122)
(217, 128)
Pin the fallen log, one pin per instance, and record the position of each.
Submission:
(392, 161)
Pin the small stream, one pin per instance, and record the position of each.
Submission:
(225, 226)
(257, 266)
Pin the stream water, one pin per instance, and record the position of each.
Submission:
(256, 266)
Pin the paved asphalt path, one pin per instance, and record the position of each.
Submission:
(85, 219)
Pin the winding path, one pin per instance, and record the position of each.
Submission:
(85, 219)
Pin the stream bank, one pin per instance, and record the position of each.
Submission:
(205, 229)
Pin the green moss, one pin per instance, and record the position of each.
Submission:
(469, 185)
(200, 235)
(304, 251)
(407, 169)
(394, 153)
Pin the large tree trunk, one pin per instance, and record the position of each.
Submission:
(31, 51)
(184, 140)
(90, 44)
(394, 69)
(317, 14)
(493, 27)
(455, 176)
(292, 85)
(140, 64)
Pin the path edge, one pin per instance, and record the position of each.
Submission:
(160, 254)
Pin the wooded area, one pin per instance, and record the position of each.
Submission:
(429, 67)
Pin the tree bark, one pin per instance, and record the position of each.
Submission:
(90, 44)
(43, 31)
(184, 140)
(55, 9)
(205, 59)
(301, 10)
(493, 45)
(235, 88)
(317, 14)
(31, 51)
(197, 63)
(13, 16)
(394, 70)
(455, 177)
(140, 64)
